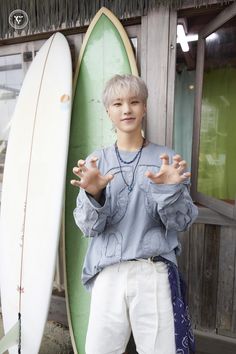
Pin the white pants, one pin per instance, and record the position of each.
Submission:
(133, 295)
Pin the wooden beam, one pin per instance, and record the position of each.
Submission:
(10, 67)
(209, 216)
(9, 89)
(197, 115)
(211, 343)
(219, 20)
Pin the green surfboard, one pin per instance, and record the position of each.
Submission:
(106, 51)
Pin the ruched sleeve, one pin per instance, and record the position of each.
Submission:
(89, 215)
(174, 205)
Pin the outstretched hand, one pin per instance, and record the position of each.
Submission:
(170, 174)
(90, 178)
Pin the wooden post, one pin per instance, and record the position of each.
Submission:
(158, 30)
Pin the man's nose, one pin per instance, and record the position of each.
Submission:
(126, 108)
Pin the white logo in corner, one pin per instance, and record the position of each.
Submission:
(18, 19)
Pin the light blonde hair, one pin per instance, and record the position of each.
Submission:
(130, 84)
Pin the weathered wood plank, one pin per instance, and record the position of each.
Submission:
(196, 251)
(144, 36)
(218, 205)
(210, 277)
(234, 295)
(171, 77)
(155, 29)
(183, 259)
(226, 292)
(208, 216)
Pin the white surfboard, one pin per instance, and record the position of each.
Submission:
(32, 194)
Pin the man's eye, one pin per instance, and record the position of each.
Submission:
(135, 102)
(116, 104)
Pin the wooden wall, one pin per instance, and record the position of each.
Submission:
(208, 263)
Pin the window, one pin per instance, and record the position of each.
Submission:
(184, 104)
(214, 143)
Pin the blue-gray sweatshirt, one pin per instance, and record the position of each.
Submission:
(130, 225)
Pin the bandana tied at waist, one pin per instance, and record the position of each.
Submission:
(184, 338)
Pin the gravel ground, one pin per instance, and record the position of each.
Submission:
(56, 340)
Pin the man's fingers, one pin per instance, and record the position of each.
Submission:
(81, 165)
(159, 174)
(75, 183)
(149, 174)
(186, 175)
(77, 171)
(182, 166)
(175, 165)
(177, 158)
(165, 159)
(154, 176)
(109, 178)
(93, 161)
(183, 163)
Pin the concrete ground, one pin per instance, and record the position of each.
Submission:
(56, 339)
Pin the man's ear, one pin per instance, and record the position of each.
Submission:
(145, 108)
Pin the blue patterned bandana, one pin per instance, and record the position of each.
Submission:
(184, 338)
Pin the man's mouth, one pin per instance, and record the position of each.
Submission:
(127, 119)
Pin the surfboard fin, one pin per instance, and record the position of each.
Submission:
(10, 339)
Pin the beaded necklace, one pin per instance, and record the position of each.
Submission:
(119, 158)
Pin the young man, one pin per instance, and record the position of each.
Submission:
(133, 200)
